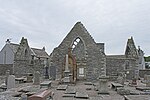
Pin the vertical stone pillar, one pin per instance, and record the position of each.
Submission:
(46, 69)
(66, 64)
(67, 71)
(103, 85)
(7, 74)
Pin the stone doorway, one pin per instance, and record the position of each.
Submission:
(79, 51)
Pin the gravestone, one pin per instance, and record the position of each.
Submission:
(24, 96)
(29, 77)
(121, 78)
(36, 80)
(134, 82)
(46, 69)
(147, 80)
(66, 78)
(11, 82)
(7, 74)
(103, 85)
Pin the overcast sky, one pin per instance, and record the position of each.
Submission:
(47, 22)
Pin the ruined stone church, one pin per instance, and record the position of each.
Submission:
(89, 55)
(91, 60)
(86, 58)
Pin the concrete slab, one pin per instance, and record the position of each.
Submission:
(88, 83)
(70, 90)
(116, 85)
(137, 97)
(81, 95)
(143, 88)
(62, 87)
(68, 95)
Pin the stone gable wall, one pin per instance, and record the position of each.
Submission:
(94, 57)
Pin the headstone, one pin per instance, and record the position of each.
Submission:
(7, 74)
(134, 82)
(66, 64)
(147, 80)
(66, 78)
(103, 85)
(67, 71)
(121, 79)
(46, 69)
(24, 96)
(36, 80)
(29, 77)
(11, 82)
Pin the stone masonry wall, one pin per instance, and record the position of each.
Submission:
(5, 67)
(94, 57)
(116, 65)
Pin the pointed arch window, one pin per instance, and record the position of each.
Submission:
(75, 43)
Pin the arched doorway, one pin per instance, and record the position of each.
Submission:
(79, 51)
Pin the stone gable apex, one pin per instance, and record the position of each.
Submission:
(23, 50)
(131, 50)
(79, 31)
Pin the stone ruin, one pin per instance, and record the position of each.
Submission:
(89, 55)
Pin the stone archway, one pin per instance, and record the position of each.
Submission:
(79, 51)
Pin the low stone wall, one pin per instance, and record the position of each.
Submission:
(5, 67)
(144, 72)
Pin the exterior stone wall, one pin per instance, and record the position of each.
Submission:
(5, 67)
(23, 62)
(115, 65)
(23, 67)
